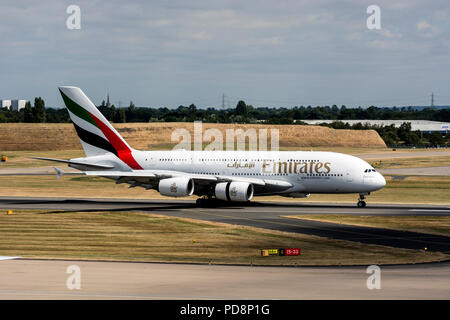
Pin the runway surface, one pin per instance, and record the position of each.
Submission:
(47, 279)
(403, 154)
(40, 279)
(423, 171)
(267, 215)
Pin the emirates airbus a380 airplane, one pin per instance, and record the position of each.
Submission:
(224, 175)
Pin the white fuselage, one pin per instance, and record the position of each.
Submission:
(225, 175)
(308, 172)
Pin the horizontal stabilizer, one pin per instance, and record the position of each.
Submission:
(79, 163)
(33, 172)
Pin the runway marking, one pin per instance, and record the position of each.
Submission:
(101, 296)
(430, 210)
(8, 258)
(312, 211)
(331, 229)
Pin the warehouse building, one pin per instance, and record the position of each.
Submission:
(421, 125)
(18, 104)
(5, 103)
(15, 104)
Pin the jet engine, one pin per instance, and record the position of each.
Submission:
(176, 187)
(234, 191)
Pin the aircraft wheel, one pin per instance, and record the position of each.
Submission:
(361, 204)
(203, 202)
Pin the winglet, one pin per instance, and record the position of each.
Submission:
(59, 172)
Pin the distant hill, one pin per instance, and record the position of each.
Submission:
(154, 136)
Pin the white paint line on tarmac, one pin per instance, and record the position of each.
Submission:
(66, 295)
(8, 258)
(430, 210)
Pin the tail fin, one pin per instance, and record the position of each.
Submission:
(96, 134)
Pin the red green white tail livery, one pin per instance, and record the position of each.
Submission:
(96, 134)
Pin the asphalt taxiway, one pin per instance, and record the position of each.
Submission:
(269, 215)
(423, 171)
(444, 152)
(47, 279)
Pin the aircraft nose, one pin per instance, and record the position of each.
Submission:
(381, 182)
(375, 181)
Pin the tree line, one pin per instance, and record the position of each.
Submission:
(398, 136)
(35, 113)
(242, 113)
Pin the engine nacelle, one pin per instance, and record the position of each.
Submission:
(234, 191)
(176, 187)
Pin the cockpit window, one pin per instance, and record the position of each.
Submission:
(369, 170)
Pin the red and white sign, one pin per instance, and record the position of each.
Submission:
(292, 252)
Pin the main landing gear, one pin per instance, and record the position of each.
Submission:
(200, 202)
(205, 201)
(361, 202)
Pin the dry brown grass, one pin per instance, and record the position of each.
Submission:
(145, 237)
(410, 190)
(37, 136)
(23, 159)
(439, 225)
(419, 162)
(33, 136)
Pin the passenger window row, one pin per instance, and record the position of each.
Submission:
(256, 160)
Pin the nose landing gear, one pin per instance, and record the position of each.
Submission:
(361, 202)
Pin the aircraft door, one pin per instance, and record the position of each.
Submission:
(349, 177)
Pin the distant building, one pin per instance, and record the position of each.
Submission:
(5, 104)
(17, 104)
(421, 125)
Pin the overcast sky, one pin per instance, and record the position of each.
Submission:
(269, 53)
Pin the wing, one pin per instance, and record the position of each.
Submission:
(150, 178)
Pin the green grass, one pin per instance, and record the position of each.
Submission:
(135, 236)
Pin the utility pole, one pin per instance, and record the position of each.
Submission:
(223, 101)
(432, 100)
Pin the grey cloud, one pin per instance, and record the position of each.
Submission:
(173, 52)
